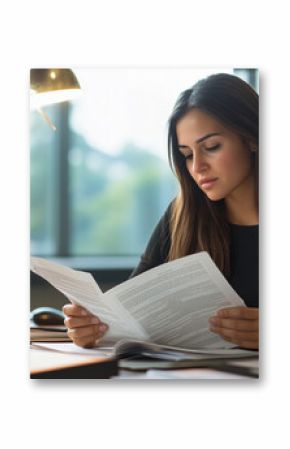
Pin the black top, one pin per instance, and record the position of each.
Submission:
(244, 255)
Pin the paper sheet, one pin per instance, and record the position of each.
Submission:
(80, 288)
(174, 301)
(170, 304)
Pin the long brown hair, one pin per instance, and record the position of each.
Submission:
(197, 223)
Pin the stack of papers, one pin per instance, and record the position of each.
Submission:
(48, 333)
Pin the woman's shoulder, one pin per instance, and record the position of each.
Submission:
(166, 217)
(161, 235)
(163, 225)
(158, 246)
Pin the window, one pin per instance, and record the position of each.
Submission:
(101, 181)
(43, 184)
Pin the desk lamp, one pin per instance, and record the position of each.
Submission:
(48, 86)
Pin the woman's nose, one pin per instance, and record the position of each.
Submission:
(199, 164)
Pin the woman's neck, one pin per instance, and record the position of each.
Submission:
(241, 206)
(246, 219)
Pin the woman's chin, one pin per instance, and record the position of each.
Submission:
(214, 196)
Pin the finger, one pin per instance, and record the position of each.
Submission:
(237, 324)
(75, 322)
(246, 344)
(86, 342)
(75, 310)
(87, 337)
(234, 334)
(248, 313)
(93, 330)
(84, 331)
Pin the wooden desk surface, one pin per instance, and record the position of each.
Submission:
(49, 363)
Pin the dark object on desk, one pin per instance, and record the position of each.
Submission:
(245, 367)
(101, 370)
(47, 315)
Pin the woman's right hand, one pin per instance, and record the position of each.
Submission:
(84, 329)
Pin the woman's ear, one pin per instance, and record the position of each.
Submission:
(253, 147)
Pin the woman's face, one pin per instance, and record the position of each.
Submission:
(217, 159)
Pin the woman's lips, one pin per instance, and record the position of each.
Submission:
(207, 183)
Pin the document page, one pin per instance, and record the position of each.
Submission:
(168, 305)
(80, 288)
(174, 301)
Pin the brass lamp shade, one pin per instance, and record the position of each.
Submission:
(44, 80)
(52, 86)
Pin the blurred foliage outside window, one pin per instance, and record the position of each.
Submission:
(116, 200)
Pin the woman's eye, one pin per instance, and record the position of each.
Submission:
(213, 148)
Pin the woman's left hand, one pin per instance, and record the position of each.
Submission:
(238, 325)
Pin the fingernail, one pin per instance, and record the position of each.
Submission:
(95, 320)
(103, 327)
(213, 320)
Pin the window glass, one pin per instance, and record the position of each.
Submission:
(42, 184)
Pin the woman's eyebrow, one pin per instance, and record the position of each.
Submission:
(201, 139)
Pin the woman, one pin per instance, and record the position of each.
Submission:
(213, 150)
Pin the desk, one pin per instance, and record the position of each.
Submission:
(49, 364)
(97, 364)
